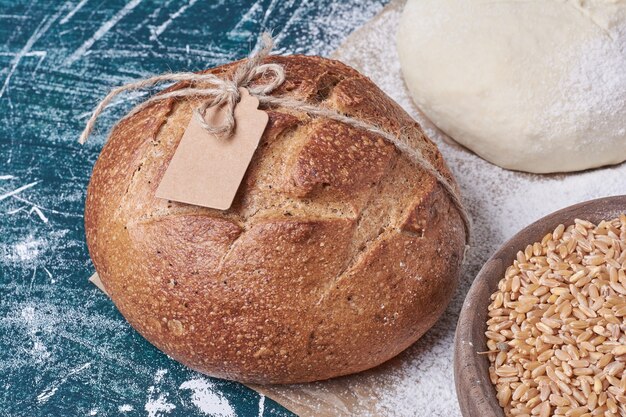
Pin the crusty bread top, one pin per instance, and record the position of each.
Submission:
(337, 253)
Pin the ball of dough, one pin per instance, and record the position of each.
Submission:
(537, 86)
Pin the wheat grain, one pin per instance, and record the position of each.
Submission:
(560, 314)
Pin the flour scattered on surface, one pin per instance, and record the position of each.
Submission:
(125, 408)
(46, 395)
(29, 250)
(208, 399)
(37, 210)
(261, 405)
(52, 389)
(320, 36)
(39, 352)
(25, 250)
(157, 404)
(158, 377)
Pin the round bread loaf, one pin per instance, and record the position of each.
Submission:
(337, 254)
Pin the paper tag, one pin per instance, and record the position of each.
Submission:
(206, 170)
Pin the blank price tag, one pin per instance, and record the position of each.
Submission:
(206, 170)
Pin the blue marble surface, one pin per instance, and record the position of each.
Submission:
(64, 348)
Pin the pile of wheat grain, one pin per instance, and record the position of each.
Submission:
(556, 328)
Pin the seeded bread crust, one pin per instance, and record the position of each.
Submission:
(337, 254)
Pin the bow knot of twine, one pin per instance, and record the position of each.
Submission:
(225, 92)
(242, 77)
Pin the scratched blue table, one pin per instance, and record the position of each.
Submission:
(64, 348)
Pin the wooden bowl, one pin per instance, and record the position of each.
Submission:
(476, 394)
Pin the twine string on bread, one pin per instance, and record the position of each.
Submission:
(225, 92)
(221, 92)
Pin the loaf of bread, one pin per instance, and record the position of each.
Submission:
(337, 254)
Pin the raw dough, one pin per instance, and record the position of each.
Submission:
(537, 86)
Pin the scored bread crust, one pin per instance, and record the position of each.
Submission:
(337, 254)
